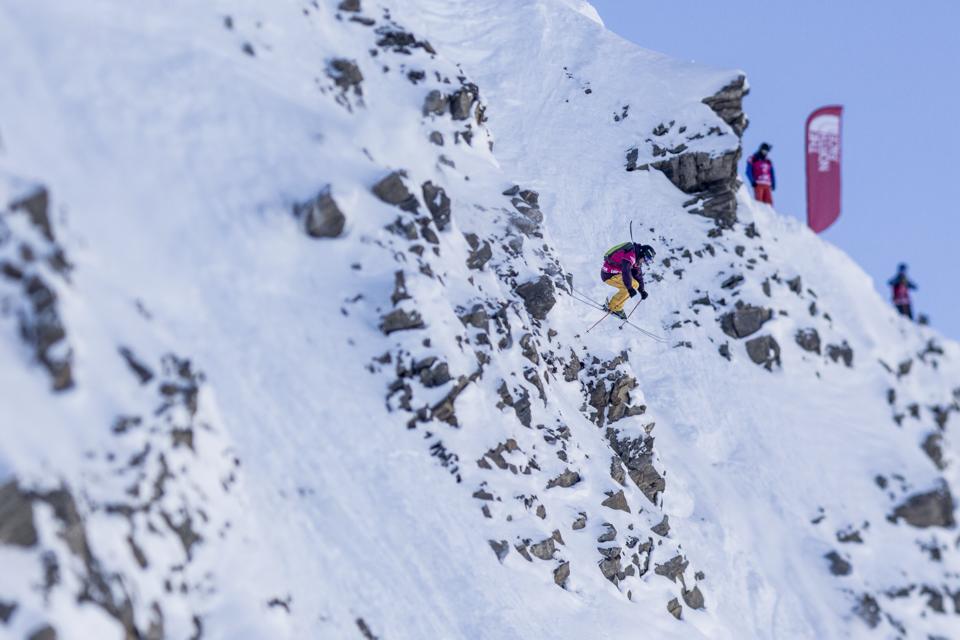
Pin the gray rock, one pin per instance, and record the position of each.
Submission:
(930, 509)
(500, 548)
(480, 252)
(435, 103)
(6, 611)
(349, 5)
(745, 320)
(436, 138)
(933, 447)
(544, 549)
(795, 285)
(321, 217)
(675, 608)
(663, 528)
(512, 191)
(838, 565)
(610, 564)
(345, 74)
(764, 350)
(36, 205)
(609, 535)
(460, 103)
(435, 376)
(732, 282)
(868, 609)
(724, 351)
(580, 522)
(392, 190)
(566, 479)
(712, 179)
(617, 471)
(637, 456)
(728, 104)
(672, 569)
(477, 317)
(561, 573)
(401, 320)
(46, 632)
(693, 598)
(437, 203)
(808, 339)
(616, 501)
(841, 352)
(538, 296)
(16, 516)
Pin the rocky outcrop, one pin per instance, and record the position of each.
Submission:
(710, 178)
(745, 320)
(808, 340)
(392, 190)
(320, 216)
(538, 296)
(346, 75)
(930, 509)
(728, 104)
(841, 352)
(765, 351)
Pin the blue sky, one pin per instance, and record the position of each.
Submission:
(894, 68)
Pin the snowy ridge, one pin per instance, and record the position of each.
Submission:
(293, 319)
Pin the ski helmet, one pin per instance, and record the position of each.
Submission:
(645, 253)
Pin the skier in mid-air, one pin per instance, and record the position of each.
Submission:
(902, 286)
(621, 270)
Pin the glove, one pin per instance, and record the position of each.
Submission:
(632, 292)
(644, 295)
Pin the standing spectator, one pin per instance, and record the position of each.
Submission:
(901, 291)
(760, 174)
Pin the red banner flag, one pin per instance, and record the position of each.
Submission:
(823, 167)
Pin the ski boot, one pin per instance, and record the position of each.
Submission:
(620, 314)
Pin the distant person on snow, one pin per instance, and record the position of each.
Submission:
(902, 286)
(760, 174)
(621, 270)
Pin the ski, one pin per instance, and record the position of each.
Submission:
(583, 299)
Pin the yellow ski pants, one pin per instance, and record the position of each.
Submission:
(621, 296)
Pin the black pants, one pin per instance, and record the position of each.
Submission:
(905, 310)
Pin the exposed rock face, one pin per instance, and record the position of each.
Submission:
(480, 252)
(461, 101)
(538, 296)
(16, 516)
(728, 104)
(345, 74)
(744, 321)
(933, 447)
(663, 528)
(693, 598)
(435, 103)
(438, 204)
(637, 456)
(839, 352)
(392, 190)
(38, 312)
(561, 573)
(321, 217)
(672, 569)
(930, 509)
(808, 339)
(566, 479)
(616, 501)
(675, 608)
(712, 179)
(764, 350)
(401, 320)
(838, 565)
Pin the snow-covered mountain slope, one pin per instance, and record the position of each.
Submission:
(294, 310)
